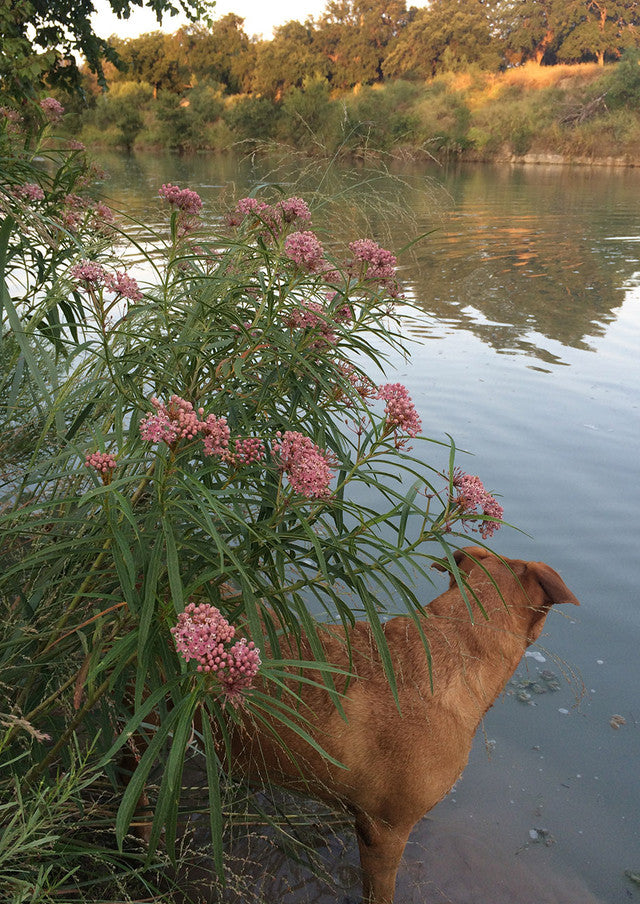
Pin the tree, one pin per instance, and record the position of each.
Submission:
(41, 38)
(310, 116)
(531, 29)
(220, 53)
(601, 28)
(446, 35)
(287, 60)
(355, 36)
(154, 58)
(571, 30)
(121, 109)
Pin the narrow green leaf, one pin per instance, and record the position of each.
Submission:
(166, 811)
(173, 566)
(138, 780)
(216, 823)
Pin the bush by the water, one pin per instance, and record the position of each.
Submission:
(198, 442)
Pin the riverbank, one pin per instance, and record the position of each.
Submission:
(581, 114)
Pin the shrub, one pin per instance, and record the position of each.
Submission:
(309, 118)
(118, 114)
(381, 117)
(444, 120)
(186, 461)
(622, 83)
(253, 118)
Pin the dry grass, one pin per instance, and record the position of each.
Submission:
(532, 76)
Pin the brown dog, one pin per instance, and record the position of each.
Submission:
(396, 764)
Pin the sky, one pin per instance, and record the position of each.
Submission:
(260, 16)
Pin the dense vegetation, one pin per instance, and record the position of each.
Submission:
(364, 42)
(455, 77)
(483, 80)
(581, 112)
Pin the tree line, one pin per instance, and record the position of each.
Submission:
(363, 42)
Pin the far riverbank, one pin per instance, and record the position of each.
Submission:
(581, 114)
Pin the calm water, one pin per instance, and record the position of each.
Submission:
(526, 351)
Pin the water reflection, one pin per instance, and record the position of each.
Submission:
(528, 260)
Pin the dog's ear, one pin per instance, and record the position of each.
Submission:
(555, 589)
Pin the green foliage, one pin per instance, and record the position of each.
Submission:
(309, 117)
(219, 53)
(98, 563)
(184, 124)
(40, 39)
(253, 118)
(514, 119)
(356, 36)
(444, 120)
(531, 29)
(382, 117)
(445, 36)
(287, 60)
(119, 114)
(622, 83)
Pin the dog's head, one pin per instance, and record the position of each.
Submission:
(538, 585)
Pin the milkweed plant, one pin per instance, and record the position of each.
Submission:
(200, 450)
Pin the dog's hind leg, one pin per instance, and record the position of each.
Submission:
(381, 847)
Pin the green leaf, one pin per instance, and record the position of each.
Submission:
(173, 566)
(216, 824)
(138, 780)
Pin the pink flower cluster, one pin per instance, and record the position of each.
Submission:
(187, 201)
(52, 109)
(472, 496)
(102, 462)
(381, 264)
(287, 211)
(202, 633)
(11, 117)
(305, 250)
(376, 263)
(29, 192)
(79, 211)
(89, 272)
(179, 420)
(103, 213)
(400, 411)
(293, 209)
(363, 385)
(307, 466)
(125, 286)
(216, 436)
(310, 315)
(176, 421)
(96, 276)
(248, 450)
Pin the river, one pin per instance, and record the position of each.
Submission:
(526, 349)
